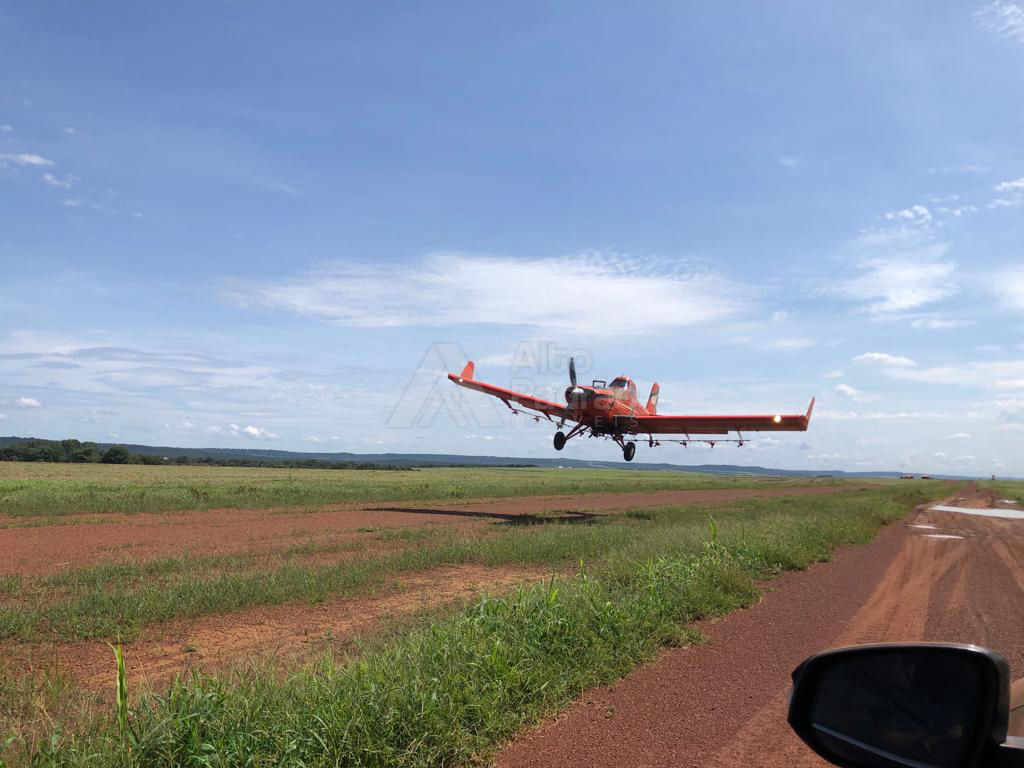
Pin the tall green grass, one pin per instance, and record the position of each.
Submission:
(448, 693)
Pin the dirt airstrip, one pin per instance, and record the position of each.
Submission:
(296, 628)
(939, 576)
(88, 540)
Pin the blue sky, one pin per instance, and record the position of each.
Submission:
(238, 224)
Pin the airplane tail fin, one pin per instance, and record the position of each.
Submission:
(652, 401)
(467, 372)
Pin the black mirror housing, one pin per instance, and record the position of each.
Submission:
(902, 705)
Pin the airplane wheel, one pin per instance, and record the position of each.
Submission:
(559, 440)
(629, 451)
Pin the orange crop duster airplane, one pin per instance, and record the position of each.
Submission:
(612, 411)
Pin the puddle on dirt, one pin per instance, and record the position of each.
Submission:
(942, 536)
(923, 525)
(1010, 514)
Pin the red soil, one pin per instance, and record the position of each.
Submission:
(723, 703)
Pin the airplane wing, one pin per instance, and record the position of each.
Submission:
(465, 379)
(715, 425)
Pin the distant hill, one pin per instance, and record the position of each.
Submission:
(460, 460)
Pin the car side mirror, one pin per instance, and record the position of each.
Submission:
(906, 706)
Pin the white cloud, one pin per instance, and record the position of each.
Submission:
(6, 129)
(28, 402)
(939, 455)
(983, 375)
(935, 322)
(1016, 185)
(55, 181)
(3, 416)
(959, 436)
(1008, 285)
(854, 394)
(792, 342)
(946, 170)
(789, 161)
(956, 211)
(904, 282)
(779, 316)
(882, 358)
(311, 439)
(280, 186)
(1002, 19)
(1012, 194)
(25, 159)
(70, 131)
(915, 214)
(604, 294)
(1005, 202)
(836, 374)
(72, 203)
(258, 432)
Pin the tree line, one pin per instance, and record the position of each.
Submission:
(77, 452)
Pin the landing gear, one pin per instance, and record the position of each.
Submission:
(629, 451)
(560, 440)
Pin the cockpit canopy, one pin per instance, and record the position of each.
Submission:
(624, 382)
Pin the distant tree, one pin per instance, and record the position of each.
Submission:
(116, 454)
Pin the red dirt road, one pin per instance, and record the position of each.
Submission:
(723, 703)
(31, 551)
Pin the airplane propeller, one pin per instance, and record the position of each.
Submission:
(575, 394)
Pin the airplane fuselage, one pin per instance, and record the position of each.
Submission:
(598, 406)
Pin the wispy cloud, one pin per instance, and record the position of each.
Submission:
(1008, 285)
(989, 375)
(578, 294)
(915, 214)
(1011, 194)
(6, 129)
(28, 402)
(854, 394)
(938, 322)
(903, 282)
(280, 186)
(1002, 19)
(55, 181)
(25, 159)
(789, 161)
(948, 170)
(882, 358)
(792, 342)
(1016, 185)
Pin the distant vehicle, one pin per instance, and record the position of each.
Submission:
(612, 411)
(909, 705)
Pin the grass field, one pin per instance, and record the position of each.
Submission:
(68, 489)
(450, 686)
